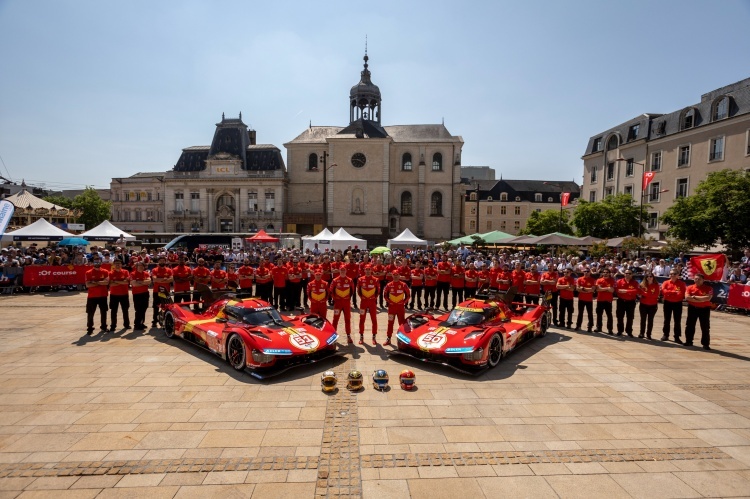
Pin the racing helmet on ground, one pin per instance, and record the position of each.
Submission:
(354, 381)
(328, 381)
(380, 380)
(407, 379)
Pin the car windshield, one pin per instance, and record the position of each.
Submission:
(464, 318)
(255, 316)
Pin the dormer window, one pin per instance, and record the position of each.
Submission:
(687, 120)
(597, 145)
(538, 197)
(489, 198)
(720, 109)
(518, 198)
(503, 196)
(612, 143)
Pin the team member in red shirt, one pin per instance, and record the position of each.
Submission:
(417, 285)
(294, 284)
(245, 278)
(182, 274)
(430, 284)
(139, 281)
(504, 278)
(378, 272)
(233, 277)
(444, 281)
(471, 281)
(264, 281)
(627, 291)
(396, 294)
(352, 272)
(532, 285)
(483, 278)
(162, 279)
(317, 291)
(368, 289)
(202, 279)
(517, 278)
(218, 278)
(673, 291)
(585, 286)
(605, 289)
(306, 276)
(699, 297)
(549, 285)
(566, 286)
(97, 280)
(280, 274)
(119, 282)
(458, 278)
(649, 293)
(341, 289)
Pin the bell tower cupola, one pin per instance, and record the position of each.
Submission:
(364, 98)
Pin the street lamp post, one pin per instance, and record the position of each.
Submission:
(477, 206)
(323, 160)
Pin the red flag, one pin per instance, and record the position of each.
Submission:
(711, 266)
(647, 178)
(565, 198)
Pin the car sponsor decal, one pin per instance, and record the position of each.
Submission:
(302, 339)
(433, 339)
(469, 309)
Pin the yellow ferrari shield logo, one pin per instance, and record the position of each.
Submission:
(709, 266)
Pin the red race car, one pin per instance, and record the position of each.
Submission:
(475, 335)
(251, 334)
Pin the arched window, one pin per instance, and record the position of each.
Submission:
(437, 162)
(612, 143)
(687, 119)
(269, 227)
(406, 162)
(312, 162)
(503, 196)
(473, 196)
(225, 200)
(720, 109)
(538, 197)
(436, 204)
(549, 199)
(406, 204)
(358, 202)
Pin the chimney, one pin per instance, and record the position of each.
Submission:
(251, 136)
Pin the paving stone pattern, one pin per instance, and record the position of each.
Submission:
(574, 414)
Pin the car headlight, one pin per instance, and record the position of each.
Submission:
(261, 357)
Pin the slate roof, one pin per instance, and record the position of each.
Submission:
(370, 129)
(398, 133)
(655, 126)
(526, 190)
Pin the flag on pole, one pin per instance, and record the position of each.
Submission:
(711, 266)
(565, 198)
(647, 178)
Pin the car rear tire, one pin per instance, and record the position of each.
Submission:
(236, 352)
(169, 325)
(494, 350)
(544, 324)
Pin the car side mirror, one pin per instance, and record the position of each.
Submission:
(222, 320)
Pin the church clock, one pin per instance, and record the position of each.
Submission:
(358, 160)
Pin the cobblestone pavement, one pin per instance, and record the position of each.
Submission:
(569, 415)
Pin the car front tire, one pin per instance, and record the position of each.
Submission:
(236, 352)
(494, 350)
(169, 325)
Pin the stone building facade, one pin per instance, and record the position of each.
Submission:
(680, 147)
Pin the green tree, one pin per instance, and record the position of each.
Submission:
(676, 246)
(60, 201)
(600, 249)
(545, 222)
(616, 216)
(718, 211)
(94, 210)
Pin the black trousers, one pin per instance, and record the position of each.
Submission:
(140, 304)
(554, 303)
(416, 296)
(279, 297)
(532, 299)
(91, 305)
(303, 284)
(382, 291)
(588, 306)
(115, 302)
(294, 290)
(181, 296)
(625, 313)
(672, 310)
(566, 305)
(429, 296)
(647, 313)
(702, 315)
(603, 307)
(264, 291)
(458, 296)
(442, 290)
(354, 295)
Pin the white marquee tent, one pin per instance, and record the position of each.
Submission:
(105, 231)
(342, 239)
(41, 230)
(322, 238)
(406, 238)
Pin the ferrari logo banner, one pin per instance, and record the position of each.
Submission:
(711, 266)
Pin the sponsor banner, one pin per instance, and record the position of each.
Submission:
(55, 275)
(739, 296)
(6, 213)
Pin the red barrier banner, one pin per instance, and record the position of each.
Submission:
(54, 275)
(739, 296)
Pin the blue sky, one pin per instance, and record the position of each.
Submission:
(91, 90)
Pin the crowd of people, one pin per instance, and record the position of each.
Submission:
(415, 279)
